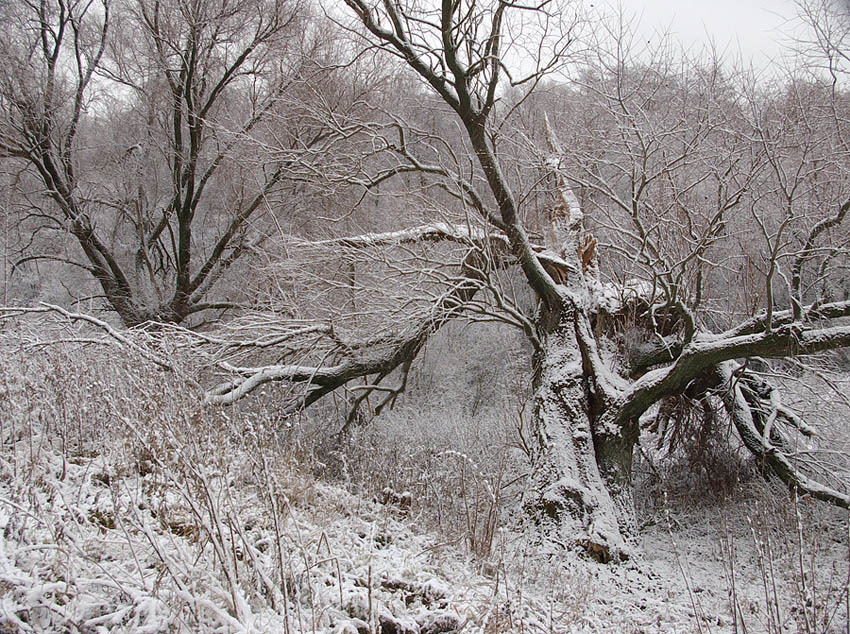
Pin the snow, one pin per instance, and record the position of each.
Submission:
(76, 550)
(611, 298)
(433, 231)
(172, 519)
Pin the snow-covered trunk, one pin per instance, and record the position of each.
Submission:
(581, 492)
(614, 450)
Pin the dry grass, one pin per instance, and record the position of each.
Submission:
(127, 506)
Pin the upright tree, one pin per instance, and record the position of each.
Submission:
(146, 126)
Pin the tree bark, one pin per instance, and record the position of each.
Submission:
(581, 489)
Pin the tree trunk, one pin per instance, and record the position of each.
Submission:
(581, 489)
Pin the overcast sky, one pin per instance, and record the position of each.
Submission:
(756, 28)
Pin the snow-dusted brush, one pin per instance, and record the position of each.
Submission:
(127, 505)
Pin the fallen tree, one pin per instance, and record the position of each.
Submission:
(605, 354)
(682, 241)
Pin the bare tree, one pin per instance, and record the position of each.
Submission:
(675, 158)
(823, 46)
(148, 126)
(626, 223)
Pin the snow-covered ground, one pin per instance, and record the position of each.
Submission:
(126, 505)
(187, 541)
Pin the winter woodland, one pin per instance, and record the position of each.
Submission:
(418, 318)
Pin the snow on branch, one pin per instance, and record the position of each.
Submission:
(569, 212)
(122, 339)
(383, 355)
(752, 421)
(231, 391)
(704, 352)
(273, 334)
(811, 313)
(433, 232)
(321, 380)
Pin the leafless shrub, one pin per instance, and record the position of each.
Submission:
(456, 469)
(131, 505)
(176, 513)
(796, 559)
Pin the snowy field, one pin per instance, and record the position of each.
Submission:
(128, 506)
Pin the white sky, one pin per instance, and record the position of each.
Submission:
(755, 28)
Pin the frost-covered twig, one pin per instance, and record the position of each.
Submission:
(118, 336)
